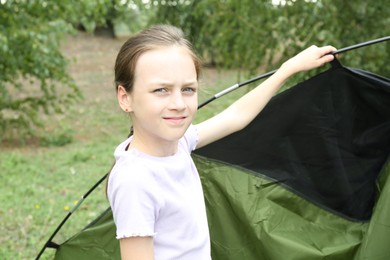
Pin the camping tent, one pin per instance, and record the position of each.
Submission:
(307, 179)
(300, 182)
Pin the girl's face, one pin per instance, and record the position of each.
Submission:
(164, 98)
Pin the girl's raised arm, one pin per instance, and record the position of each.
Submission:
(245, 109)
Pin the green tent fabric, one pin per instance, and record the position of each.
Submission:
(96, 241)
(256, 218)
(308, 178)
(375, 244)
(253, 217)
(271, 204)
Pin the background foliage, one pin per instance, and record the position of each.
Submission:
(33, 72)
(248, 36)
(32, 67)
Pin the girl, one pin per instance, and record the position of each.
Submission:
(154, 189)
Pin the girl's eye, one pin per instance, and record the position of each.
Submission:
(160, 90)
(189, 90)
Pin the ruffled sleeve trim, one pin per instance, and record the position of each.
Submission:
(120, 236)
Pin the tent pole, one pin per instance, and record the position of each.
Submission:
(363, 44)
(49, 242)
(238, 85)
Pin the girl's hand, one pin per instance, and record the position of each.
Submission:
(309, 58)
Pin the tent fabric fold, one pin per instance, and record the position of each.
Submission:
(309, 178)
(253, 217)
(326, 139)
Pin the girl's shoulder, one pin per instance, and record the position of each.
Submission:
(190, 138)
(131, 176)
(132, 182)
(131, 167)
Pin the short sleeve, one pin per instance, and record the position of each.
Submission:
(134, 200)
(191, 138)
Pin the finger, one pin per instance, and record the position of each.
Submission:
(327, 50)
(326, 58)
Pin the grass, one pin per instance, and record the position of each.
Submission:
(42, 180)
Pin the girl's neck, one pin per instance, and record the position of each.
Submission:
(154, 148)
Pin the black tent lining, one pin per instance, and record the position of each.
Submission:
(343, 205)
(286, 187)
(368, 76)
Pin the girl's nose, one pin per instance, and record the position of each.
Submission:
(177, 101)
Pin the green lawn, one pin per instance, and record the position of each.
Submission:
(42, 180)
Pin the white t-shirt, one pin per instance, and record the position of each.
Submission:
(161, 197)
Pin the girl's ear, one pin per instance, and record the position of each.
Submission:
(124, 99)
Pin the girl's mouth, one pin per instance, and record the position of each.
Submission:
(176, 120)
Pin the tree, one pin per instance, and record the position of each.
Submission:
(258, 35)
(249, 36)
(33, 75)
